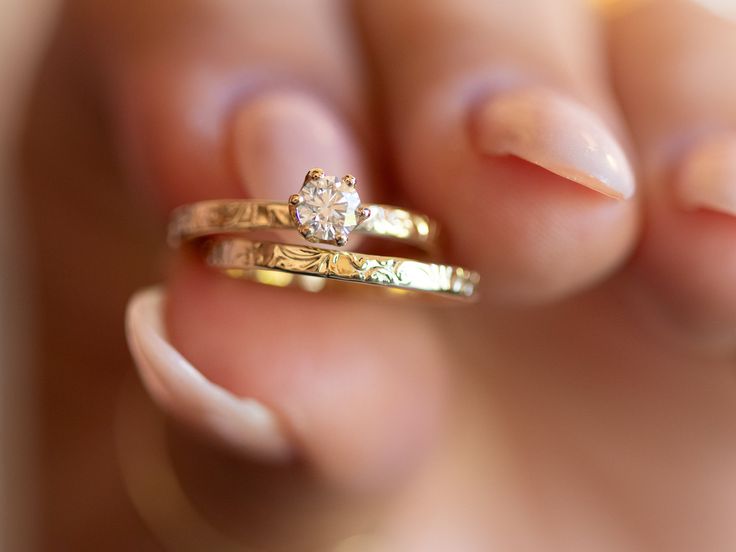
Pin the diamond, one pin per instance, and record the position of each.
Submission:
(327, 209)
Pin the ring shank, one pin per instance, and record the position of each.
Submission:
(245, 258)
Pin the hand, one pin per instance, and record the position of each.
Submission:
(591, 388)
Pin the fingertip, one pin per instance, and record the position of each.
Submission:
(706, 178)
(509, 138)
(686, 264)
(171, 113)
(280, 134)
(534, 233)
(361, 402)
(179, 388)
(667, 64)
(556, 133)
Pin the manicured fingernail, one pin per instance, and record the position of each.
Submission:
(707, 177)
(280, 135)
(723, 8)
(558, 134)
(184, 392)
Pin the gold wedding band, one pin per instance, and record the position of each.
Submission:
(237, 257)
(326, 210)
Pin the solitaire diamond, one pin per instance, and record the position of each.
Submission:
(327, 208)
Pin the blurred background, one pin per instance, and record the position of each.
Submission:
(73, 247)
(76, 241)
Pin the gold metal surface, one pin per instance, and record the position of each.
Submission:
(216, 226)
(159, 496)
(240, 257)
(615, 8)
(238, 216)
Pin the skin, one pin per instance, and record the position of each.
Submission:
(586, 403)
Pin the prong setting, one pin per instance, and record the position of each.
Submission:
(341, 239)
(349, 180)
(327, 208)
(307, 232)
(362, 214)
(314, 174)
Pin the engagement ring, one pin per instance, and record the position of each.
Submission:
(326, 210)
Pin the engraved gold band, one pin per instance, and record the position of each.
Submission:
(326, 210)
(238, 216)
(239, 257)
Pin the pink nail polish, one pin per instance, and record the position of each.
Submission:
(707, 177)
(281, 135)
(242, 423)
(558, 134)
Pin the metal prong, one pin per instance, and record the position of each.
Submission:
(314, 174)
(362, 214)
(349, 180)
(295, 199)
(341, 239)
(307, 232)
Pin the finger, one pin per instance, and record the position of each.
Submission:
(668, 61)
(24, 32)
(503, 127)
(228, 90)
(261, 92)
(242, 423)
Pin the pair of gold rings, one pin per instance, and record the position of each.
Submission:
(326, 210)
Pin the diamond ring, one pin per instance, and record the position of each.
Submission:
(326, 210)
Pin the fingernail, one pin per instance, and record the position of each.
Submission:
(185, 393)
(558, 134)
(722, 8)
(707, 177)
(281, 135)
